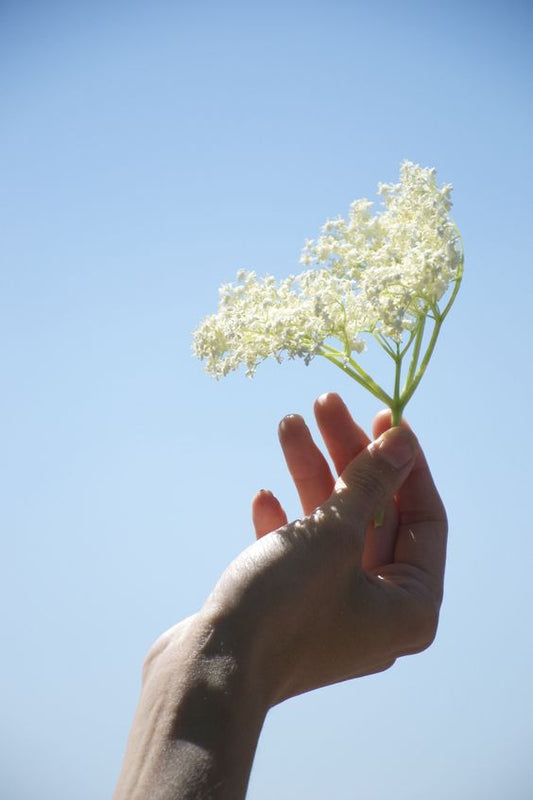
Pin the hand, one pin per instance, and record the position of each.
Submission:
(333, 597)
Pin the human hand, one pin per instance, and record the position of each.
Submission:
(333, 597)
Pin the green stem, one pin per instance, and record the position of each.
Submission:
(458, 280)
(416, 353)
(396, 415)
(380, 339)
(346, 358)
(365, 380)
(397, 405)
(438, 317)
(414, 379)
(409, 389)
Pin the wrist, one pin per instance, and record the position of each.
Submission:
(198, 721)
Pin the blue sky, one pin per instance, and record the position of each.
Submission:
(149, 151)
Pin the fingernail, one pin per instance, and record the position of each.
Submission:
(395, 446)
(290, 419)
(325, 398)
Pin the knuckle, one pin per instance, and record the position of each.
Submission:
(370, 485)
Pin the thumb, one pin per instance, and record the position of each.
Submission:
(371, 479)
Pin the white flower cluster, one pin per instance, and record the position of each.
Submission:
(372, 273)
(261, 318)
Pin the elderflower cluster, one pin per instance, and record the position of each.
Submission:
(261, 318)
(370, 273)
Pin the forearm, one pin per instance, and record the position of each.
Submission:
(197, 724)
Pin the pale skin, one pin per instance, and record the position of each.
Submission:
(324, 599)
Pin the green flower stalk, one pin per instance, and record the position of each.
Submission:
(393, 276)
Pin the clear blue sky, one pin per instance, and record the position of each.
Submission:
(148, 151)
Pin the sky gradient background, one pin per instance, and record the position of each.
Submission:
(148, 151)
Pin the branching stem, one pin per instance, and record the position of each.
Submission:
(417, 366)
